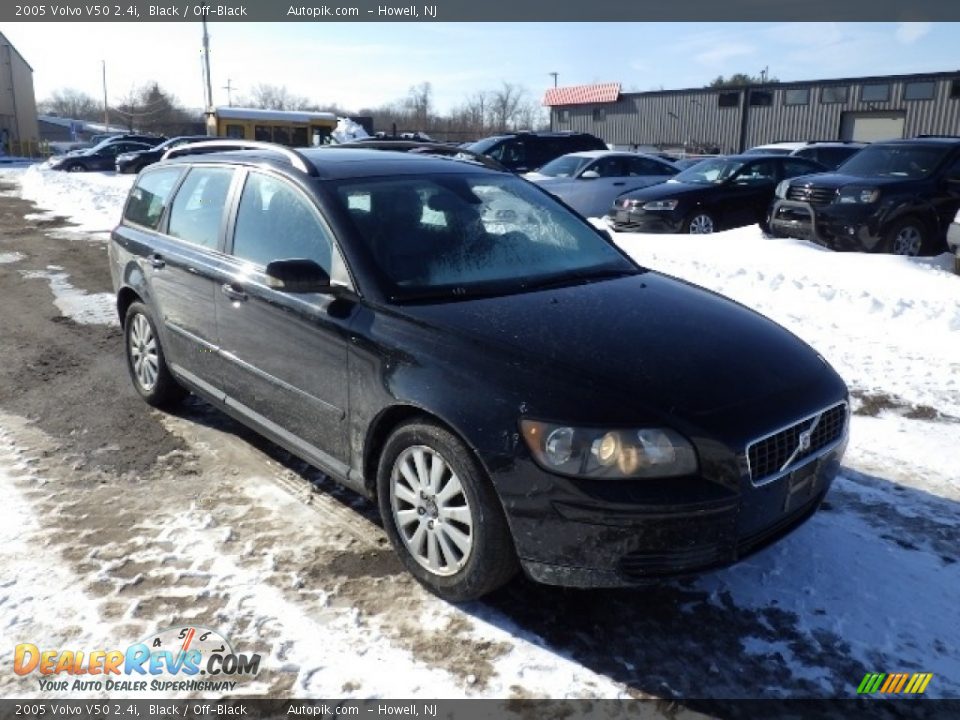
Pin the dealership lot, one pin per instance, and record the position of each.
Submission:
(134, 520)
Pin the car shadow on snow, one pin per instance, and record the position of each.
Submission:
(871, 583)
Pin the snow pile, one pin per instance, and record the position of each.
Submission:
(348, 130)
(93, 201)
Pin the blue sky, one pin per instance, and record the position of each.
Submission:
(369, 64)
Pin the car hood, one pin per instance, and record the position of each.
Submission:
(651, 344)
(668, 189)
(835, 181)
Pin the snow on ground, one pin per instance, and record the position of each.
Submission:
(874, 577)
(78, 305)
(91, 200)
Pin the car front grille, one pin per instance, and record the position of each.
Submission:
(810, 194)
(774, 454)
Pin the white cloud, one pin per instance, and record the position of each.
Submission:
(723, 51)
(909, 32)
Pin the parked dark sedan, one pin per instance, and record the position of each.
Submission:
(512, 389)
(100, 157)
(716, 194)
(135, 161)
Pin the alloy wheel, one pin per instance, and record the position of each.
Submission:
(908, 241)
(701, 224)
(143, 352)
(431, 511)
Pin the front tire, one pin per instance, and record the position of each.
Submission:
(442, 515)
(700, 223)
(907, 237)
(145, 360)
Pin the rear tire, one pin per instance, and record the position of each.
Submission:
(908, 237)
(442, 514)
(146, 362)
(75, 167)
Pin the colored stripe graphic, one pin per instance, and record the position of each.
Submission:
(893, 684)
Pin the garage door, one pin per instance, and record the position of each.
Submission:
(871, 127)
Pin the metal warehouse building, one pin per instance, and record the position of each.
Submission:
(734, 119)
(18, 107)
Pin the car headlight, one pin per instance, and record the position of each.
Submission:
(609, 454)
(782, 187)
(661, 205)
(865, 195)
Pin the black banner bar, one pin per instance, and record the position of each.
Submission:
(480, 11)
(419, 709)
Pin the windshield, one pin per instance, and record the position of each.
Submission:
(709, 172)
(459, 235)
(481, 146)
(566, 166)
(901, 161)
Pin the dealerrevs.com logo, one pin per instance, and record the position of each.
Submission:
(185, 659)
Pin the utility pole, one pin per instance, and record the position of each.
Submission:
(208, 87)
(554, 74)
(229, 88)
(106, 118)
(763, 74)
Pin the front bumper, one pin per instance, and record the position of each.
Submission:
(642, 221)
(617, 534)
(851, 227)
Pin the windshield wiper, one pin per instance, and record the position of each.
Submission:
(577, 276)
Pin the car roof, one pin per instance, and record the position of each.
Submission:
(340, 162)
(609, 153)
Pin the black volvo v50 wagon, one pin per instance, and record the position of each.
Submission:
(512, 389)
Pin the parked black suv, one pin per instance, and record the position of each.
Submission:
(453, 341)
(896, 197)
(527, 151)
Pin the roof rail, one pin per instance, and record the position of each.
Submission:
(925, 135)
(298, 160)
(454, 152)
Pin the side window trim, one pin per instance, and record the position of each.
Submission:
(337, 258)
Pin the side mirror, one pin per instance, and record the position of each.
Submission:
(298, 276)
(589, 175)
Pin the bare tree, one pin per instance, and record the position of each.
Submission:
(277, 97)
(70, 103)
(504, 105)
(418, 103)
(152, 109)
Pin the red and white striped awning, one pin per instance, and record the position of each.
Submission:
(582, 94)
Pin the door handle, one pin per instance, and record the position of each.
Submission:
(618, 184)
(233, 292)
(157, 261)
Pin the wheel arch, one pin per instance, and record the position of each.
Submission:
(386, 422)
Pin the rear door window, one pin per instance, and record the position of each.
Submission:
(197, 211)
(149, 197)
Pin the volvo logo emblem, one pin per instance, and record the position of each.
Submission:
(804, 443)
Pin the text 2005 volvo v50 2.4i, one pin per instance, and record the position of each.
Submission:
(449, 339)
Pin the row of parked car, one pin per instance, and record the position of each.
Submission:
(898, 197)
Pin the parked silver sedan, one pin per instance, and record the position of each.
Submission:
(590, 181)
